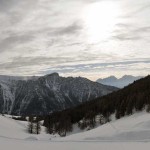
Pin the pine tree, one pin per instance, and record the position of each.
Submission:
(51, 125)
(90, 117)
(31, 125)
(37, 126)
(64, 125)
(101, 119)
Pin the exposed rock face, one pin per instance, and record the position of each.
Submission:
(48, 93)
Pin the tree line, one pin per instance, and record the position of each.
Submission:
(134, 97)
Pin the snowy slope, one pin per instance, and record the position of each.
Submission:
(11, 129)
(17, 130)
(131, 128)
(128, 133)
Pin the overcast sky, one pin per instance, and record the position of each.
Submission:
(90, 38)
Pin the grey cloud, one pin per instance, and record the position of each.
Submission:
(142, 8)
(6, 5)
(130, 32)
(21, 62)
(95, 66)
(10, 42)
(139, 8)
(16, 10)
(115, 63)
(71, 29)
(143, 29)
(32, 26)
(9, 5)
(34, 61)
(126, 37)
(64, 30)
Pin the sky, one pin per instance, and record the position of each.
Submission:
(89, 38)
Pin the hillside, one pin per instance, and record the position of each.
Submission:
(127, 133)
(127, 101)
(47, 94)
(130, 128)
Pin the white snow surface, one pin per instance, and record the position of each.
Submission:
(129, 133)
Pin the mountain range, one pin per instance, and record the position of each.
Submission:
(127, 101)
(121, 82)
(49, 93)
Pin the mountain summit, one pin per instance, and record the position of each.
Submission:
(47, 94)
(121, 82)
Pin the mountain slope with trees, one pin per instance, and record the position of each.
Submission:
(126, 101)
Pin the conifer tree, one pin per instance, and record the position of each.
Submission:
(37, 126)
(31, 125)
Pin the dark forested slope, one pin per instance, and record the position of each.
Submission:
(134, 97)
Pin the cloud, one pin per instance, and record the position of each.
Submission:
(7, 5)
(14, 40)
(135, 21)
(43, 36)
(98, 66)
(129, 32)
(71, 29)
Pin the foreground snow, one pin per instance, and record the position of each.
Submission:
(131, 128)
(131, 132)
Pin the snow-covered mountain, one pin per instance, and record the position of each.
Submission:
(121, 82)
(48, 93)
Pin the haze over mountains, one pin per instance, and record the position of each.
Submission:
(119, 82)
(16, 78)
(47, 93)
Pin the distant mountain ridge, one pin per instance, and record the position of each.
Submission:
(9, 78)
(47, 93)
(121, 82)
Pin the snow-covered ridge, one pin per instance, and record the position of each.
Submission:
(48, 93)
